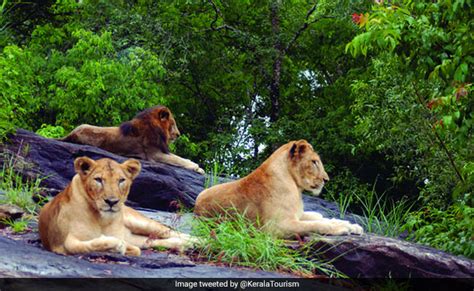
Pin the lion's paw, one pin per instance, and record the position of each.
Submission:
(184, 242)
(190, 241)
(340, 230)
(133, 251)
(114, 244)
(200, 170)
(357, 229)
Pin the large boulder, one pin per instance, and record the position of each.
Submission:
(159, 186)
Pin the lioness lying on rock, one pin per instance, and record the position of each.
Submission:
(273, 194)
(90, 215)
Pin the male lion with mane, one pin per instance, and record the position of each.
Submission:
(147, 136)
(90, 215)
(273, 194)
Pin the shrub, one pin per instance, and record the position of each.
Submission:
(450, 230)
(51, 131)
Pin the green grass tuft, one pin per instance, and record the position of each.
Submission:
(17, 190)
(379, 214)
(382, 216)
(17, 226)
(234, 240)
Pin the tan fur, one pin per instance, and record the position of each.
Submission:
(273, 193)
(147, 137)
(80, 220)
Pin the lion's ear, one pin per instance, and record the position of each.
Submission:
(132, 167)
(293, 150)
(84, 165)
(297, 149)
(164, 114)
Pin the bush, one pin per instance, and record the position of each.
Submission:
(67, 76)
(450, 230)
(51, 131)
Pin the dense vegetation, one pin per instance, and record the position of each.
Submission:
(382, 89)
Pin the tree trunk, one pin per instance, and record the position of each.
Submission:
(276, 72)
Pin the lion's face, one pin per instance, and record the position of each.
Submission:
(165, 119)
(307, 168)
(106, 182)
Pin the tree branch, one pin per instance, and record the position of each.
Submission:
(216, 17)
(438, 138)
(304, 26)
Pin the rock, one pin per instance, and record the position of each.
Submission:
(372, 256)
(8, 211)
(27, 258)
(159, 186)
(368, 255)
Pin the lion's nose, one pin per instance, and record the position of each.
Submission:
(112, 201)
(325, 177)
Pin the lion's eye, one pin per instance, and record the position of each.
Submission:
(121, 180)
(315, 163)
(98, 180)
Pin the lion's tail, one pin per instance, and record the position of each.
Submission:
(71, 137)
(67, 138)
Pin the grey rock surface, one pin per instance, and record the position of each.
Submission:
(373, 256)
(22, 255)
(159, 186)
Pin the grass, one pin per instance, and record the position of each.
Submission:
(379, 215)
(17, 226)
(235, 241)
(383, 216)
(214, 173)
(18, 191)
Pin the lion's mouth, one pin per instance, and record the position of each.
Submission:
(109, 210)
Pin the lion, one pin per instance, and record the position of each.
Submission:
(89, 215)
(147, 136)
(272, 195)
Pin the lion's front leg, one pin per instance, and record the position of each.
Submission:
(103, 243)
(178, 161)
(321, 226)
(310, 215)
(179, 243)
(314, 216)
(139, 224)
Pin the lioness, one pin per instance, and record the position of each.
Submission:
(147, 136)
(273, 194)
(90, 215)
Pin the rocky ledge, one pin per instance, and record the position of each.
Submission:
(23, 256)
(159, 187)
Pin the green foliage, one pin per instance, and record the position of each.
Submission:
(234, 240)
(450, 230)
(67, 76)
(51, 131)
(412, 103)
